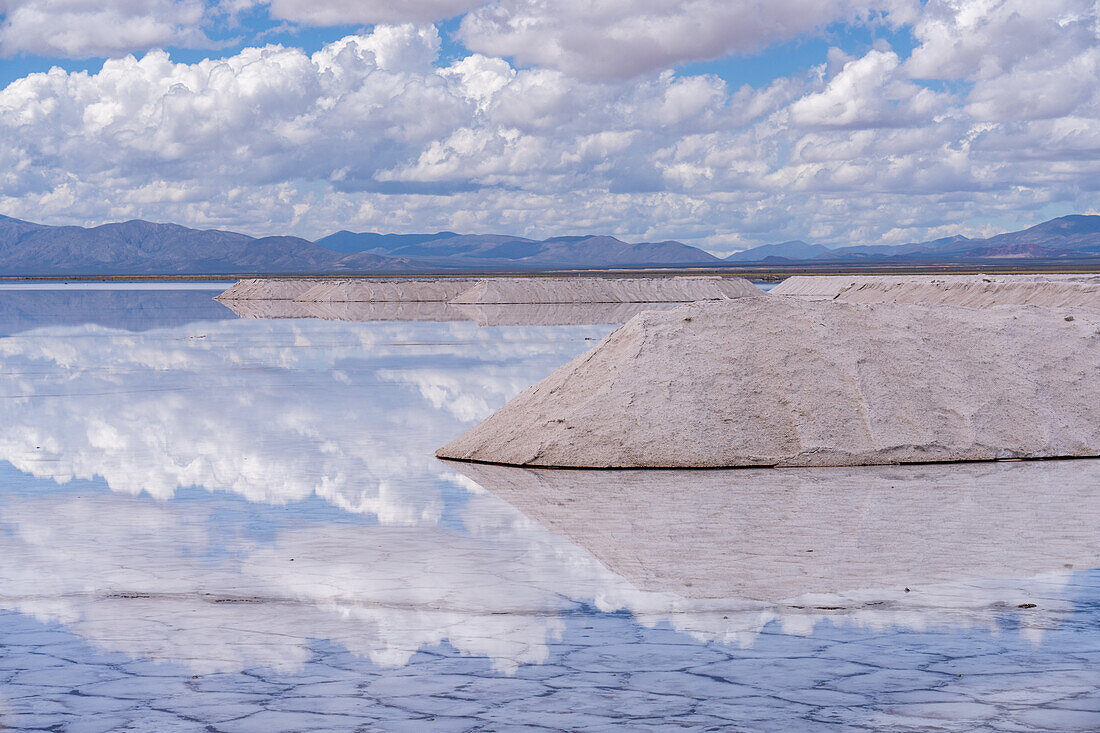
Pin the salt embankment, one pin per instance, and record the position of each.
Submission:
(352, 290)
(784, 382)
(348, 311)
(495, 290)
(972, 291)
(683, 289)
(268, 288)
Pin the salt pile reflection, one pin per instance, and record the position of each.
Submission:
(483, 314)
(717, 556)
(911, 546)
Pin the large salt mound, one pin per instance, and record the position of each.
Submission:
(265, 288)
(972, 291)
(606, 290)
(777, 381)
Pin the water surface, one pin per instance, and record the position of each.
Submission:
(213, 523)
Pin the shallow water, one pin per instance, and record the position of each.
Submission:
(212, 523)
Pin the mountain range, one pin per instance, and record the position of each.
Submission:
(146, 248)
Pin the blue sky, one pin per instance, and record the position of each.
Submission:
(722, 123)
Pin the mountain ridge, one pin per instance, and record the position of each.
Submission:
(138, 247)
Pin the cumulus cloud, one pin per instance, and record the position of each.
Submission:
(342, 12)
(613, 39)
(88, 28)
(1026, 60)
(374, 131)
(868, 93)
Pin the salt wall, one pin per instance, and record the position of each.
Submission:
(324, 290)
(973, 291)
(508, 290)
(518, 290)
(778, 381)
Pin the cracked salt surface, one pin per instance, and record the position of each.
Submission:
(247, 532)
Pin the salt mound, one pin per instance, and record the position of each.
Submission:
(972, 291)
(607, 290)
(265, 288)
(777, 381)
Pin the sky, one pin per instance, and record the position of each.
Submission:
(720, 123)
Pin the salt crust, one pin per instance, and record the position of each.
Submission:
(787, 382)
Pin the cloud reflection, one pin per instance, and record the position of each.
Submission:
(274, 411)
(718, 556)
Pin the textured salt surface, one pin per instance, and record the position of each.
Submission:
(348, 311)
(781, 381)
(774, 535)
(607, 290)
(349, 290)
(972, 291)
(517, 290)
(268, 288)
(516, 314)
(556, 314)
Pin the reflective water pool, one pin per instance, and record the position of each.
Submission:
(212, 523)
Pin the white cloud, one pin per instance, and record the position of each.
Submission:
(868, 93)
(1027, 60)
(982, 39)
(371, 132)
(88, 28)
(612, 39)
(343, 12)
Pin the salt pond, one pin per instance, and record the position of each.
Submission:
(216, 523)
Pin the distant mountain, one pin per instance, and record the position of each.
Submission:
(144, 248)
(348, 242)
(793, 250)
(1067, 237)
(447, 249)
